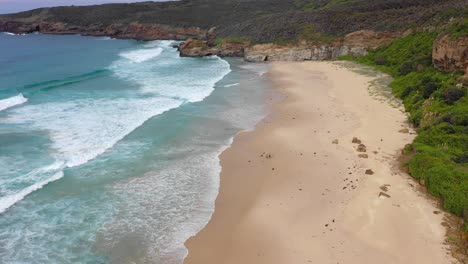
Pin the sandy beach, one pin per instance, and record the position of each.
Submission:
(297, 189)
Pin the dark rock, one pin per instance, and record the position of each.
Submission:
(361, 148)
(384, 195)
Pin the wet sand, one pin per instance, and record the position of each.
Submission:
(298, 190)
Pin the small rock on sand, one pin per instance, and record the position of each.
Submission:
(422, 182)
(369, 172)
(356, 140)
(364, 156)
(384, 188)
(384, 195)
(361, 148)
(335, 141)
(404, 130)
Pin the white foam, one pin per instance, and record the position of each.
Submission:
(12, 101)
(8, 201)
(83, 129)
(230, 85)
(142, 55)
(34, 180)
(259, 68)
(194, 83)
(159, 43)
(9, 33)
(104, 38)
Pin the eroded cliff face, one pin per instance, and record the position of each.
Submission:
(355, 44)
(271, 52)
(199, 48)
(449, 54)
(137, 31)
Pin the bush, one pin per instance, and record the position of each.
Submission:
(452, 95)
(407, 91)
(406, 68)
(416, 118)
(429, 88)
(462, 158)
(380, 60)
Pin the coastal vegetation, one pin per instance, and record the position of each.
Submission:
(239, 39)
(262, 21)
(437, 104)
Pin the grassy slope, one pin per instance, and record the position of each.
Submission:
(261, 20)
(438, 107)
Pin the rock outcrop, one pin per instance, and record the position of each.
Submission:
(18, 27)
(354, 44)
(199, 48)
(271, 52)
(450, 54)
(200, 42)
(368, 39)
(137, 31)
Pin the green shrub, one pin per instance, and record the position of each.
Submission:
(429, 88)
(380, 60)
(453, 94)
(406, 68)
(462, 158)
(407, 91)
(437, 108)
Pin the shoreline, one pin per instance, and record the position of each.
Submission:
(294, 190)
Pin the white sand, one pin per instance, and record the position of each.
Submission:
(312, 202)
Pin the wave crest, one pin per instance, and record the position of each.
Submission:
(142, 54)
(12, 101)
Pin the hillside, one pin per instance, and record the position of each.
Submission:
(257, 20)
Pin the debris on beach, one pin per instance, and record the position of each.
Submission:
(384, 187)
(361, 148)
(384, 195)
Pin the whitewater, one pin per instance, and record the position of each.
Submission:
(117, 149)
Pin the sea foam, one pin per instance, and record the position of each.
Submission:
(142, 54)
(7, 201)
(12, 101)
(82, 129)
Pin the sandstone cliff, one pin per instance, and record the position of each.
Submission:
(199, 48)
(451, 54)
(134, 30)
(355, 44)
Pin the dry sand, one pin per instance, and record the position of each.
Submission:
(295, 191)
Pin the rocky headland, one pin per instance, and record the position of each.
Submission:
(355, 44)
(134, 30)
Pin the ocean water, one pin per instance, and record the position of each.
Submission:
(109, 148)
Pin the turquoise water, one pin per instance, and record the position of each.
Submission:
(108, 148)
